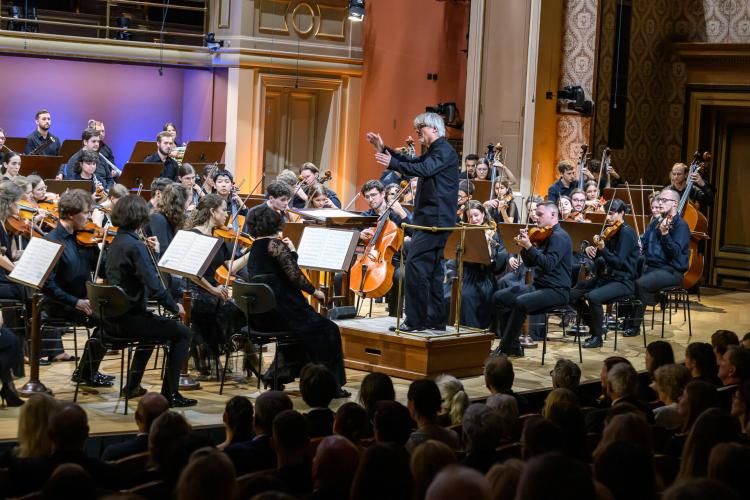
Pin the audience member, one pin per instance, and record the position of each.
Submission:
(69, 481)
(427, 460)
(209, 474)
(424, 403)
(607, 365)
(540, 436)
(383, 472)
(700, 359)
(658, 353)
(746, 341)
(669, 383)
(483, 433)
(33, 426)
(454, 400)
(553, 476)
(566, 374)
(712, 427)
(628, 427)
(318, 387)
(458, 483)
(734, 367)
(499, 377)
(504, 477)
(376, 386)
(697, 397)
(721, 340)
(563, 409)
(257, 454)
(238, 421)
(627, 470)
(392, 423)
(622, 387)
(166, 430)
(728, 463)
(741, 406)
(507, 408)
(150, 406)
(290, 440)
(351, 422)
(333, 468)
(699, 489)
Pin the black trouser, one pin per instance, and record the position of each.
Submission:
(647, 286)
(148, 326)
(10, 355)
(94, 352)
(423, 283)
(589, 297)
(513, 304)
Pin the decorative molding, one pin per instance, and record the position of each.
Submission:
(224, 18)
(474, 76)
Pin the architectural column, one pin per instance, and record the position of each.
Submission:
(242, 126)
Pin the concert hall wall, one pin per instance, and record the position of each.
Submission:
(133, 101)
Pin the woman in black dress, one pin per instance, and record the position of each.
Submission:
(164, 222)
(273, 261)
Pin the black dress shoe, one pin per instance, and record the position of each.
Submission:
(437, 328)
(178, 401)
(407, 328)
(95, 381)
(105, 376)
(135, 392)
(9, 397)
(631, 332)
(342, 393)
(592, 342)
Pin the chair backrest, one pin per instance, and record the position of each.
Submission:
(151, 489)
(109, 299)
(132, 464)
(253, 298)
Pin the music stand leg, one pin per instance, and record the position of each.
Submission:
(460, 252)
(188, 383)
(399, 307)
(34, 385)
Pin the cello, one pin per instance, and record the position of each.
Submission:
(697, 223)
(371, 275)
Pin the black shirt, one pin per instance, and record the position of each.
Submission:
(437, 188)
(77, 177)
(5, 242)
(170, 166)
(35, 139)
(551, 260)
(298, 202)
(671, 250)
(67, 281)
(107, 152)
(557, 190)
(396, 218)
(159, 226)
(103, 173)
(620, 255)
(703, 196)
(129, 266)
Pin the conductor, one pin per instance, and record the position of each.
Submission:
(434, 206)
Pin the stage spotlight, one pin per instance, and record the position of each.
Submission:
(356, 10)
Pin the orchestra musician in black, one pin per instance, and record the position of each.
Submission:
(702, 192)
(434, 206)
(615, 255)
(164, 146)
(41, 141)
(551, 259)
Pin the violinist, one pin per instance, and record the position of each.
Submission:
(615, 254)
(165, 220)
(224, 183)
(501, 207)
(391, 190)
(208, 182)
(702, 192)
(565, 184)
(666, 250)
(317, 197)
(478, 283)
(11, 165)
(310, 176)
(655, 206)
(164, 147)
(91, 142)
(177, 152)
(465, 192)
(214, 318)
(186, 176)
(43, 201)
(273, 261)
(130, 266)
(594, 203)
(551, 259)
(278, 194)
(578, 203)
(565, 206)
(65, 289)
(156, 189)
(10, 195)
(102, 210)
(41, 141)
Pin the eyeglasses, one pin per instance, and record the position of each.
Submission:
(664, 200)
(419, 126)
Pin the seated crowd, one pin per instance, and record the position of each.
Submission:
(676, 431)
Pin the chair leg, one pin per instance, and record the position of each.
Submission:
(684, 308)
(260, 364)
(616, 307)
(544, 342)
(224, 372)
(275, 366)
(156, 358)
(130, 374)
(690, 325)
(662, 318)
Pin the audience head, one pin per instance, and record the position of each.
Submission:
(209, 474)
(504, 477)
(290, 434)
(712, 427)
(553, 476)
(670, 381)
(741, 405)
(70, 480)
(68, 428)
(746, 341)
(383, 472)
(697, 397)
(721, 340)
(150, 406)
(558, 397)
(483, 428)
(566, 374)
(499, 374)
(607, 365)
(317, 385)
(427, 459)
(33, 426)
(699, 489)
(506, 406)
(658, 353)
(734, 366)
(392, 422)
(629, 427)
(351, 422)
(267, 406)
(454, 397)
(627, 470)
(238, 418)
(423, 400)
(168, 428)
(334, 465)
(728, 463)
(700, 359)
(562, 408)
(540, 436)
(622, 381)
(457, 482)
(376, 386)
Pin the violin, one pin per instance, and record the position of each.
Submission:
(17, 225)
(221, 275)
(540, 234)
(92, 235)
(229, 236)
(576, 216)
(607, 234)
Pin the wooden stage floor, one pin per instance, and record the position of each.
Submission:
(717, 309)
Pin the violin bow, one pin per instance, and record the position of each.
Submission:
(635, 217)
(234, 245)
(101, 251)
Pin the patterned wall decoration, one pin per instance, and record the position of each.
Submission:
(715, 21)
(577, 68)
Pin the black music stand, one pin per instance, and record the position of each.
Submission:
(134, 173)
(475, 247)
(45, 167)
(203, 152)
(59, 187)
(482, 190)
(580, 232)
(141, 150)
(69, 147)
(17, 144)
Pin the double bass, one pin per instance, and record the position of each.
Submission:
(697, 223)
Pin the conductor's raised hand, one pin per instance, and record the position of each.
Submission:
(376, 141)
(383, 158)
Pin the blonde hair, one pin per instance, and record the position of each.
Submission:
(556, 397)
(454, 397)
(33, 440)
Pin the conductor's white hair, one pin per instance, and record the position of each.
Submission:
(432, 120)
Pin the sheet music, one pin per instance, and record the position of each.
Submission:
(36, 262)
(327, 249)
(188, 253)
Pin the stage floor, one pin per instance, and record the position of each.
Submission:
(717, 309)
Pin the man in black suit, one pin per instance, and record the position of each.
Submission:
(318, 387)
(164, 145)
(734, 369)
(150, 406)
(41, 141)
(622, 387)
(434, 206)
(257, 454)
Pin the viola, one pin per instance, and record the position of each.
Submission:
(229, 236)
